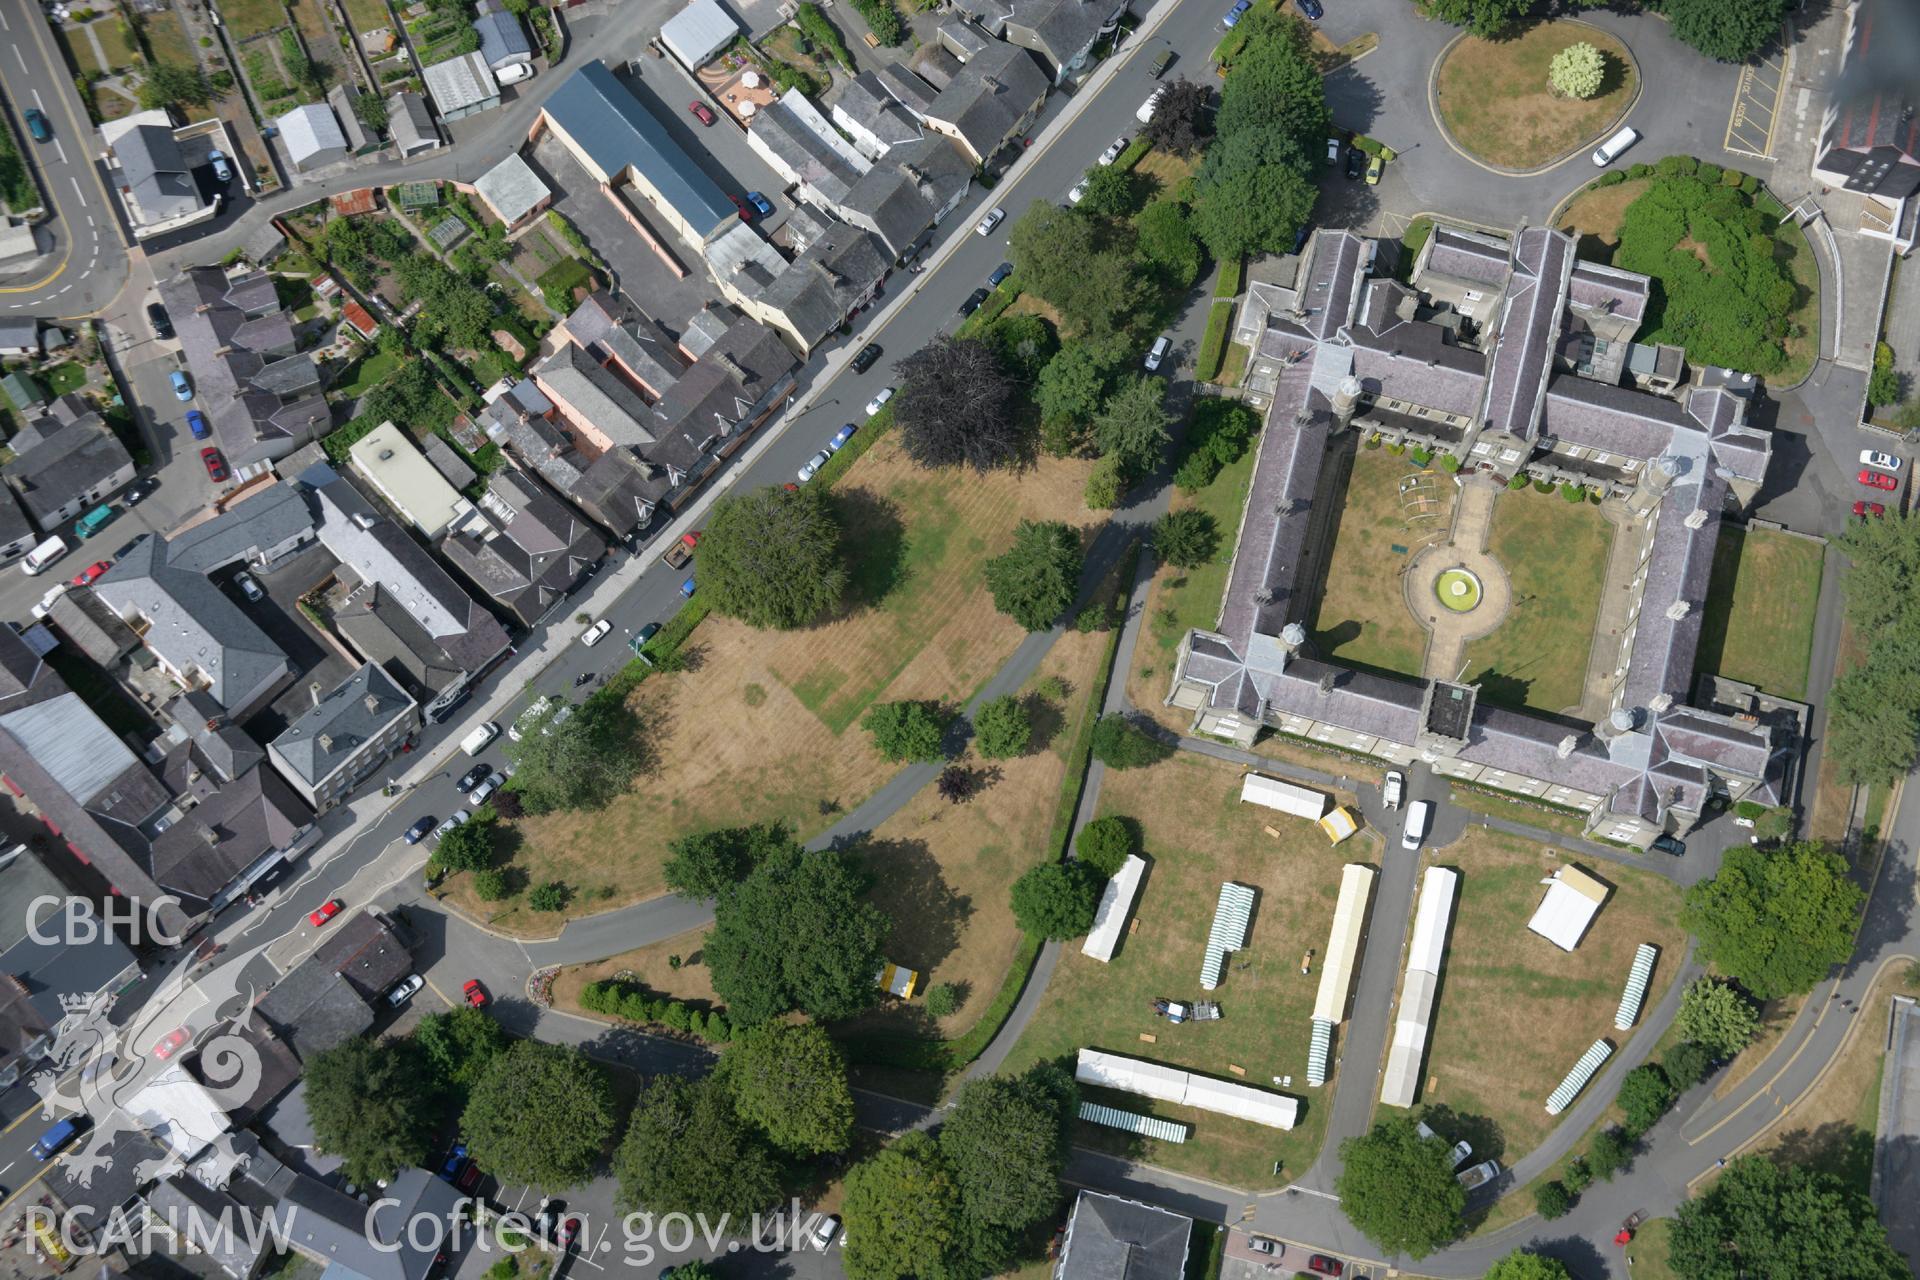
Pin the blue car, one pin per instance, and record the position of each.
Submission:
(197, 423)
(1311, 8)
(840, 437)
(686, 588)
(457, 1157)
(760, 202)
(182, 389)
(1232, 19)
(1000, 273)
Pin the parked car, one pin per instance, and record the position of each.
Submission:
(418, 831)
(89, 575)
(741, 207)
(1266, 1245)
(1884, 461)
(1419, 814)
(1610, 150)
(828, 1228)
(643, 635)
(1145, 114)
(197, 424)
(459, 816)
(594, 634)
(215, 464)
(475, 993)
(513, 73)
(1157, 353)
(473, 778)
(221, 169)
(1077, 192)
(1671, 845)
(249, 588)
(1333, 150)
(702, 112)
(1484, 1172)
(863, 358)
(1395, 789)
(1863, 509)
(37, 125)
(159, 320)
(139, 493)
(974, 299)
(1321, 1264)
(1160, 64)
(840, 438)
(171, 1042)
(405, 990)
(484, 792)
(760, 202)
(456, 1160)
(324, 912)
(688, 587)
(1114, 149)
(811, 467)
(1375, 167)
(1234, 14)
(1356, 162)
(1312, 9)
(995, 216)
(880, 398)
(182, 389)
(1000, 273)
(1878, 480)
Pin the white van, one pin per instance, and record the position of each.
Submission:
(529, 718)
(43, 555)
(476, 742)
(1419, 814)
(1610, 149)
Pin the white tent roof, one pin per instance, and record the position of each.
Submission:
(1274, 794)
(1430, 923)
(697, 32)
(1131, 1075)
(1343, 943)
(1114, 905)
(1170, 1084)
(1262, 1106)
(1573, 899)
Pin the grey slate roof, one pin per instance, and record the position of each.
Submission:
(1467, 255)
(866, 102)
(156, 172)
(816, 163)
(820, 288)
(92, 627)
(70, 458)
(614, 329)
(350, 715)
(1517, 379)
(1110, 1238)
(991, 91)
(261, 396)
(1059, 29)
(907, 89)
(1618, 420)
(211, 1220)
(540, 551)
(899, 197)
(572, 376)
(451, 466)
(216, 840)
(739, 377)
(502, 37)
(371, 1245)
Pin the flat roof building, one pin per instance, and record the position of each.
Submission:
(389, 461)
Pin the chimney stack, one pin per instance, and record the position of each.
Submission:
(314, 689)
(1567, 744)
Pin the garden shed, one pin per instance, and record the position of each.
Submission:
(698, 32)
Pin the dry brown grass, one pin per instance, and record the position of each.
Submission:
(1494, 97)
(1598, 213)
(1361, 618)
(1166, 168)
(1832, 798)
(1197, 834)
(649, 966)
(1514, 1012)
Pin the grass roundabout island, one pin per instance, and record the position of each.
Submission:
(1495, 104)
(1458, 590)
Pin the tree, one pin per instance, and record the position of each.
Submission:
(1186, 539)
(1726, 30)
(1132, 425)
(1775, 921)
(1164, 237)
(1883, 387)
(549, 895)
(1687, 1064)
(790, 1081)
(167, 84)
(908, 730)
(1079, 264)
(1005, 1145)
(1521, 1265)
(1276, 85)
(1002, 729)
(555, 1143)
(796, 933)
(771, 558)
(900, 1210)
(1106, 843)
(579, 763)
(1112, 192)
(1645, 1095)
(1488, 19)
(1105, 483)
(1182, 119)
(1577, 71)
(372, 1104)
(688, 1150)
(1552, 1200)
(459, 1045)
(1118, 744)
(1718, 1016)
(1759, 1218)
(1610, 1152)
(1252, 195)
(1072, 385)
(371, 111)
(1057, 899)
(1399, 1188)
(943, 1000)
(957, 784)
(1035, 580)
(468, 847)
(956, 405)
(708, 864)
(492, 884)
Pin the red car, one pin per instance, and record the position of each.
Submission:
(475, 993)
(216, 465)
(174, 1039)
(702, 112)
(1865, 508)
(86, 576)
(326, 912)
(1325, 1266)
(1877, 480)
(746, 211)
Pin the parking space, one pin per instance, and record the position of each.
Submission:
(1756, 106)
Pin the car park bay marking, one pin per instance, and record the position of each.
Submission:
(1756, 107)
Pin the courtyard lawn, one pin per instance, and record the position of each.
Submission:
(1183, 598)
(1595, 216)
(1758, 625)
(1791, 248)
(1494, 98)
(367, 373)
(1197, 834)
(115, 42)
(1362, 619)
(1514, 1012)
(1555, 555)
(67, 376)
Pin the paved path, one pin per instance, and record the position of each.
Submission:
(1449, 632)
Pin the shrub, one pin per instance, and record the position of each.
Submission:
(1552, 1199)
(882, 18)
(1711, 173)
(552, 895)
(1105, 483)
(1645, 1095)
(1883, 387)
(1517, 483)
(1611, 178)
(1687, 1064)
(912, 730)
(1578, 1176)
(1639, 170)
(1396, 447)
(492, 885)
(1106, 843)
(1421, 454)
(1577, 71)
(1371, 442)
(1612, 1151)
(1543, 486)
(1056, 900)
(1119, 745)
(942, 1000)
(1002, 729)
(1449, 463)
(1670, 166)
(1213, 343)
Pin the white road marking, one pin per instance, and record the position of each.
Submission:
(96, 234)
(60, 151)
(77, 193)
(86, 273)
(36, 99)
(17, 58)
(4, 27)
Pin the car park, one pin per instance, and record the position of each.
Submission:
(1157, 353)
(182, 389)
(215, 464)
(171, 1042)
(91, 574)
(1160, 64)
(811, 467)
(249, 588)
(459, 816)
(475, 993)
(863, 359)
(702, 112)
(324, 912)
(760, 202)
(158, 319)
(197, 424)
(484, 792)
(974, 299)
(1114, 149)
(1376, 165)
(995, 216)
(1394, 789)
(405, 990)
(1000, 273)
(37, 125)
(1884, 461)
(880, 398)
(594, 634)
(418, 831)
(1145, 114)
(1863, 509)
(1878, 480)
(1077, 192)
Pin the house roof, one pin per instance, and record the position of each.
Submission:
(215, 1222)
(372, 1244)
(69, 459)
(261, 395)
(341, 98)
(511, 188)
(310, 130)
(907, 89)
(410, 123)
(461, 82)
(801, 140)
(820, 288)
(990, 92)
(906, 188)
(1061, 29)
(866, 102)
(573, 377)
(201, 853)
(1111, 1238)
(326, 736)
(614, 329)
(395, 466)
(156, 172)
(37, 973)
(501, 36)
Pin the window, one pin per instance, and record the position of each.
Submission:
(1482, 449)
(1509, 455)
(1603, 458)
(1473, 295)
(1577, 451)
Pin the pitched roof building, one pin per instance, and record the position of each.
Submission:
(835, 276)
(512, 190)
(914, 185)
(312, 137)
(870, 116)
(327, 998)
(66, 461)
(1109, 1237)
(503, 41)
(1870, 138)
(461, 86)
(800, 145)
(991, 100)
(348, 733)
(533, 550)
(151, 174)
(411, 125)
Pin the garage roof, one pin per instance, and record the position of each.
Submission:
(697, 32)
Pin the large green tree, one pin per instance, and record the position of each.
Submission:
(1399, 1188)
(1276, 84)
(790, 1080)
(709, 864)
(469, 846)
(1002, 728)
(1521, 1265)
(1132, 425)
(1035, 580)
(540, 1113)
(1645, 1095)
(373, 1104)
(460, 1044)
(1253, 194)
(1079, 264)
(1072, 385)
(771, 558)
(1485, 18)
(688, 1150)
(1874, 708)
(1717, 1015)
(1763, 1219)
(1005, 1143)
(1775, 920)
(913, 730)
(1057, 899)
(901, 1211)
(796, 933)
(1727, 30)
(581, 762)
(1166, 240)
(1112, 192)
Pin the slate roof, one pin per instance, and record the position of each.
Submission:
(502, 38)
(326, 736)
(1110, 1238)
(990, 92)
(410, 123)
(201, 852)
(261, 396)
(155, 172)
(739, 376)
(614, 329)
(213, 1221)
(91, 625)
(1616, 420)
(604, 403)
(540, 551)
(900, 195)
(799, 137)
(907, 89)
(371, 1244)
(866, 102)
(1059, 29)
(820, 288)
(1411, 362)
(70, 458)
(310, 131)
(1536, 296)
(1467, 255)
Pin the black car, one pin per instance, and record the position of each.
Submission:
(1670, 845)
(121, 554)
(1311, 8)
(864, 358)
(473, 778)
(162, 323)
(418, 830)
(974, 299)
(140, 491)
(1356, 162)
(1000, 273)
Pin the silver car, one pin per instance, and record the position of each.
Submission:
(813, 466)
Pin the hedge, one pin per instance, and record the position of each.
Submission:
(1132, 156)
(1233, 276)
(1213, 344)
(815, 26)
(631, 1003)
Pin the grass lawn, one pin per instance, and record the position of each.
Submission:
(1234, 366)
(369, 373)
(368, 15)
(1514, 1012)
(1198, 834)
(1791, 247)
(168, 38)
(1166, 169)
(246, 18)
(116, 42)
(1647, 1255)
(1362, 617)
(1555, 555)
(1595, 216)
(68, 375)
(1565, 824)
(1494, 99)
(647, 965)
(1758, 625)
